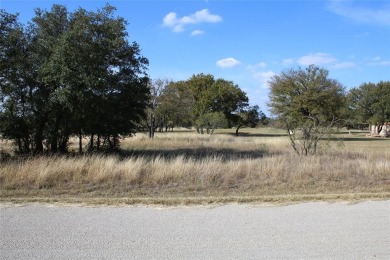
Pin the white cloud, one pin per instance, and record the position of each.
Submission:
(257, 66)
(197, 32)
(228, 63)
(177, 24)
(287, 62)
(344, 65)
(264, 77)
(378, 61)
(170, 19)
(361, 14)
(318, 58)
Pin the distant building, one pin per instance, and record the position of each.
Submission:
(383, 131)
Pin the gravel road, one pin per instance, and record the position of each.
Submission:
(308, 230)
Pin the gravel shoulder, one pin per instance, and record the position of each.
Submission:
(235, 231)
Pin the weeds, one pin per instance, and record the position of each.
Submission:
(193, 166)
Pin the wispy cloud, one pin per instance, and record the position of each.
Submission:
(318, 58)
(257, 66)
(287, 62)
(344, 65)
(228, 63)
(178, 23)
(197, 32)
(264, 77)
(378, 61)
(361, 14)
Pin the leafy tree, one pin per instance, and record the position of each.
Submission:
(176, 105)
(215, 96)
(369, 103)
(46, 31)
(14, 110)
(199, 86)
(211, 121)
(249, 116)
(226, 97)
(308, 100)
(104, 74)
(76, 74)
(154, 116)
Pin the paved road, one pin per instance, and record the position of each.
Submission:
(309, 230)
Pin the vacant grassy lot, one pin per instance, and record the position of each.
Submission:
(185, 168)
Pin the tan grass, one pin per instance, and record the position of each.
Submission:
(187, 165)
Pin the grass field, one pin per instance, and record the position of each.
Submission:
(183, 167)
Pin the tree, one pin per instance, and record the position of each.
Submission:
(76, 74)
(308, 100)
(103, 75)
(15, 92)
(211, 121)
(46, 30)
(154, 117)
(176, 105)
(250, 116)
(369, 103)
(226, 97)
(215, 96)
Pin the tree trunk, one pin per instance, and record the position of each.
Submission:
(63, 144)
(238, 128)
(80, 142)
(98, 143)
(54, 135)
(90, 148)
(38, 139)
(151, 127)
(19, 142)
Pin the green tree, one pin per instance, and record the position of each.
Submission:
(46, 31)
(80, 76)
(308, 100)
(226, 97)
(154, 115)
(105, 76)
(215, 96)
(369, 103)
(250, 116)
(176, 105)
(15, 95)
(199, 86)
(211, 121)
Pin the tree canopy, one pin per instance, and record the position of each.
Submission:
(69, 74)
(369, 103)
(308, 100)
(220, 96)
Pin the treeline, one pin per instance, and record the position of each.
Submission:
(69, 74)
(75, 73)
(202, 102)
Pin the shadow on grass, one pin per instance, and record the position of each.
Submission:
(197, 153)
(359, 139)
(244, 134)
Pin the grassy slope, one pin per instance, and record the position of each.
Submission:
(186, 168)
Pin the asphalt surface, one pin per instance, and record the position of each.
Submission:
(302, 231)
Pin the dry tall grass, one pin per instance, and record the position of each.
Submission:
(190, 165)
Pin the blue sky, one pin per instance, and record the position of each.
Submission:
(249, 41)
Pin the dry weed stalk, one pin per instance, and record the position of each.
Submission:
(219, 165)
